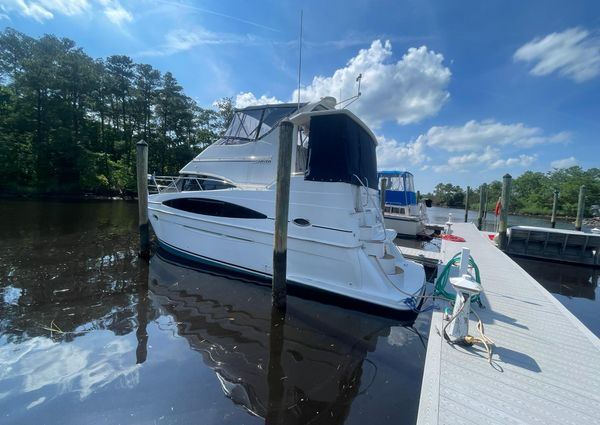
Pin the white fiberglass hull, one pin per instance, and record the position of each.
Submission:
(405, 225)
(341, 251)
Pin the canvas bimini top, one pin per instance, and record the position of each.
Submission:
(400, 187)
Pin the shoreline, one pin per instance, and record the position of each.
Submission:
(67, 197)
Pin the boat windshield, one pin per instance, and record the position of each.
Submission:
(253, 123)
(400, 183)
(400, 189)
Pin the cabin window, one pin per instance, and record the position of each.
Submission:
(213, 207)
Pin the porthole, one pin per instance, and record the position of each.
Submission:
(302, 222)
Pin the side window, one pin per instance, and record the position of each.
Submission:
(215, 185)
(213, 207)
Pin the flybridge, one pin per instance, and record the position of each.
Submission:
(331, 145)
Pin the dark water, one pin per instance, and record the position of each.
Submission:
(89, 334)
(578, 288)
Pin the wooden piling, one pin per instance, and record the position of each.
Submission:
(554, 205)
(467, 204)
(482, 189)
(382, 186)
(505, 201)
(142, 189)
(580, 208)
(282, 204)
(276, 407)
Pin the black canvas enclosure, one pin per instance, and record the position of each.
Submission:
(339, 150)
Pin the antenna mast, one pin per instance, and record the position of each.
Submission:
(300, 58)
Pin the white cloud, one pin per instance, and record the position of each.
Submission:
(405, 91)
(520, 161)
(181, 40)
(42, 10)
(573, 53)
(65, 7)
(477, 135)
(490, 158)
(116, 13)
(29, 9)
(564, 163)
(249, 99)
(400, 156)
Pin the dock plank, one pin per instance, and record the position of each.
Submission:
(546, 363)
(429, 258)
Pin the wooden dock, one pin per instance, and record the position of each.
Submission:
(546, 363)
(427, 258)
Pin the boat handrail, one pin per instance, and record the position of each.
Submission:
(169, 184)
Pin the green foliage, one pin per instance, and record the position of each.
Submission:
(532, 192)
(69, 123)
(447, 195)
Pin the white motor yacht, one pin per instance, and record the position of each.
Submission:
(402, 211)
(221, 209)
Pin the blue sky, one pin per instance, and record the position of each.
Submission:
(459, 92)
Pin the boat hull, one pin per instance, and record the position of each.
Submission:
(406, 225)
(330, 259)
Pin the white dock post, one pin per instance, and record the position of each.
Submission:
(465, 254)
(465, 287)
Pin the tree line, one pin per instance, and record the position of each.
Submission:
(532, 192)
(69, 123)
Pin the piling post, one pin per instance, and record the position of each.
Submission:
(382, 187)
(485, 203)
(481, 206)
(467, 204)
(142, 189)
(580, 208)
(282, 204)
(276, 407)
(505, 200)
(554, 205)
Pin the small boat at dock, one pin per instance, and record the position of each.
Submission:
(402, 211)
(220, 210)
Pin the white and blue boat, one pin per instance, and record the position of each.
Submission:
(403, 213)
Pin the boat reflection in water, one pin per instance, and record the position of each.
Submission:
(306, 367)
